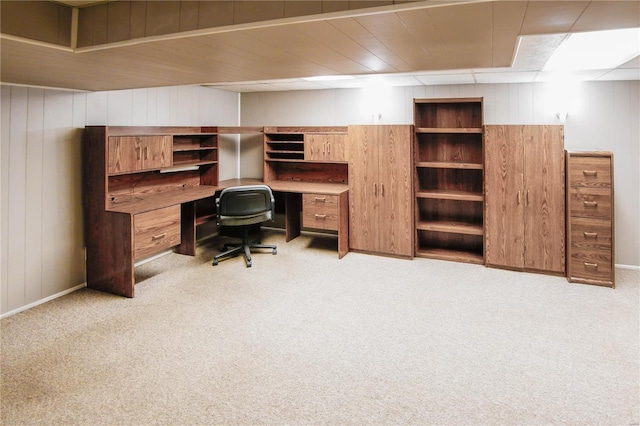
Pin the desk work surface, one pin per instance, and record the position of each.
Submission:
(143, 203)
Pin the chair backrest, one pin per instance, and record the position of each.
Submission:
(252, 203)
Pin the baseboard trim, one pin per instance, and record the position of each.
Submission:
(632, 267)
(45, 300)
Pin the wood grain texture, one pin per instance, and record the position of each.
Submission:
(525, 208)
(591, 218)
(381, 189)
(544, 236)
(504, 198)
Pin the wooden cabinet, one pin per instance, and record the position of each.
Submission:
(320, 211)
(525, 197)
(590, 218)
(308, 154)
(306, 166)
(380, 189)
(135, 153)
(449, 179)
(155, 231)
(325, 147)
(140, 188)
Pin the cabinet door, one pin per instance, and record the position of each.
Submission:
(337, 149)
(395, 190)
(363, 188)
(156, 152)
(314, 147)
(325, 147)
(544, 237)
(124, 154)
(134, 153)
(504, 198)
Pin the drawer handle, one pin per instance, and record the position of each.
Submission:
(590, 234)
(590, 172)
(590, 203)
(321, 216)
(591, 265)
(159, 236)
(320, 199)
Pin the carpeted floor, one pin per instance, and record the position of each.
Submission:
(305, 338)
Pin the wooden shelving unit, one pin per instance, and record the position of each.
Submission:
(287, 156)
(449, 166)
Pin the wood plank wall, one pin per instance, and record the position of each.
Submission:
(42, 244)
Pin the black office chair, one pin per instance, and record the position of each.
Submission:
(245, 207)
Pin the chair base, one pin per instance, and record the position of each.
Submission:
(232, 250)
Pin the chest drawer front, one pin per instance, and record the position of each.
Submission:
(591, 265)
(591, 234)
(156, 230)
(590, 202)
(593, 172)
(320, 211)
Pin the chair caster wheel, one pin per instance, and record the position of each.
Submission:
(248, 264)
(275, 251)
(215, 262)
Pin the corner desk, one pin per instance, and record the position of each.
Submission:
(145, 190)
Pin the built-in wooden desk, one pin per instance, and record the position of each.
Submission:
(324, 206)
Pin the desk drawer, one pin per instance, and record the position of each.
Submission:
(589, 264)
(156, 230)
(320, 211)
(590, 202)
(593, 172)
(591, 234)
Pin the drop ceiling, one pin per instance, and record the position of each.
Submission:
(407, 44)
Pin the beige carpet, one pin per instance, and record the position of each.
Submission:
(305, 338)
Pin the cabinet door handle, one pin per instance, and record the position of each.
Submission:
(375, 189)
(320, 199)
(590, 172)
(591, 265)
(329, 148)
(138, 151)
(382, 189)
(321, 216)
(159, 236)
(146, 153)
(590, 234)
(590, 203)
(518, 197)
(527, 198)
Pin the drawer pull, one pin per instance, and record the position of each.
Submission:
(590, 203)
(590, 172)
(591, 265)
(321, 216)
(320, 199)
(590, 234)
(159, 236)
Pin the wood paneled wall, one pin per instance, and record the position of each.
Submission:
(601, 116)
(42, 251)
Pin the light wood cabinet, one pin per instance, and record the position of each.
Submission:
(380, 189)
(135, 153)
(525, 197)
(590, 218)
(325, 147)
(449, 179)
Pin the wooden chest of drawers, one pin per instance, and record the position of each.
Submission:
(156, 230)
(590, 218)
(320, 211)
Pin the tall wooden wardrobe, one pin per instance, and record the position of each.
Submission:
(381, 189)
(525, 197)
